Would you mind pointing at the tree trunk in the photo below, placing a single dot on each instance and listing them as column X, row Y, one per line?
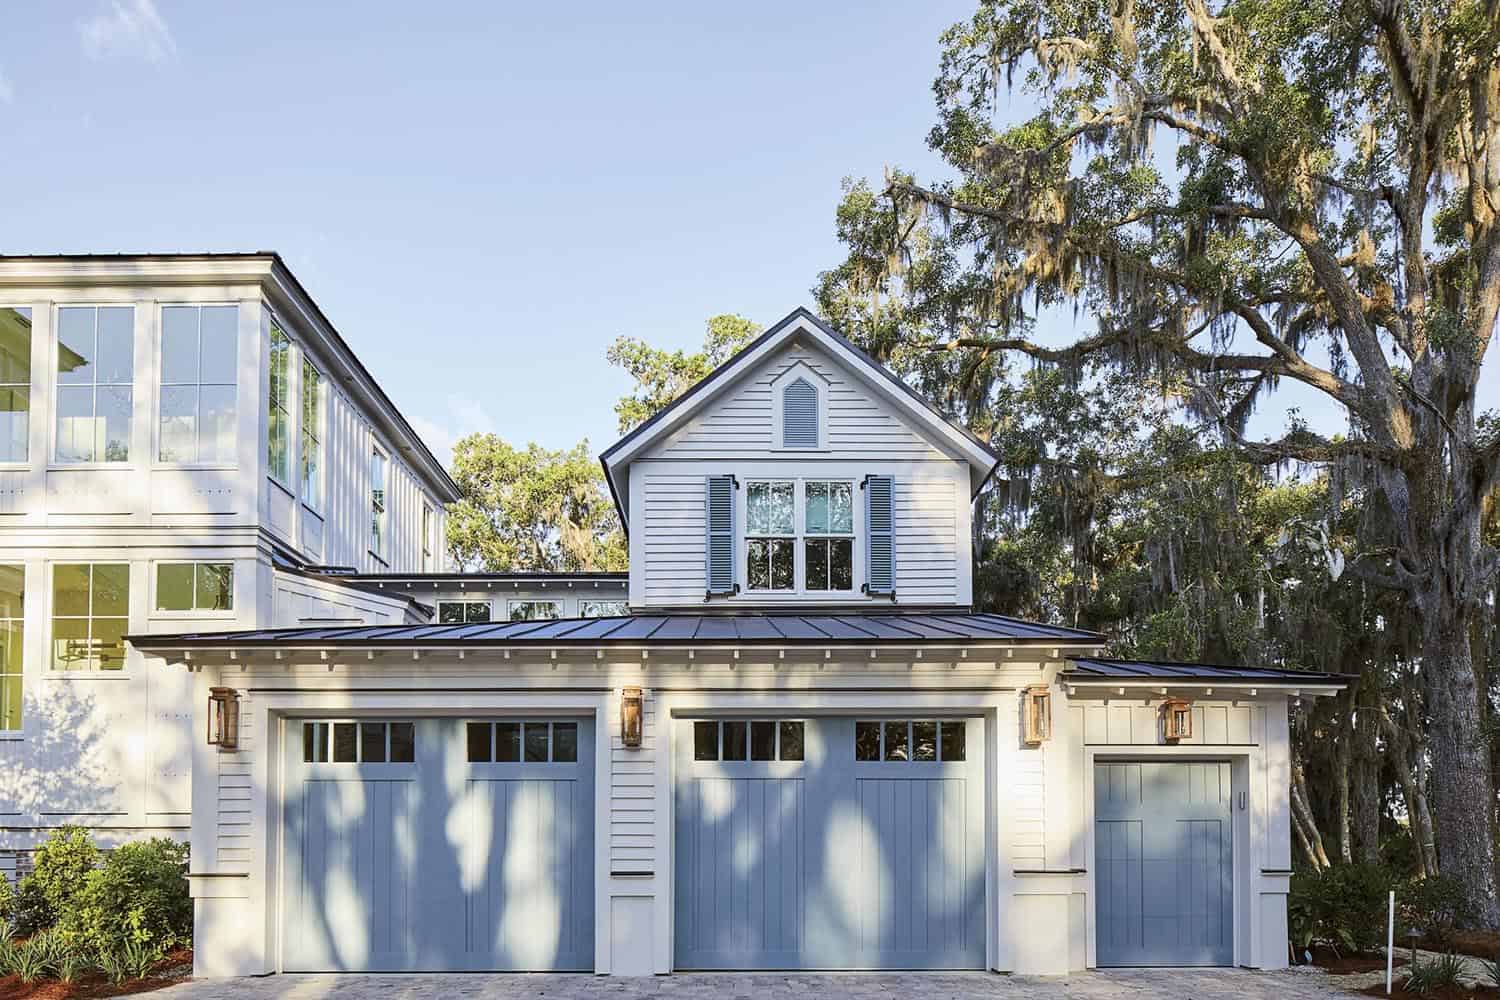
column 1344, row 736
column 1463, row 790
column 1364, row 776
column 1401, row 756
column 1307, row 824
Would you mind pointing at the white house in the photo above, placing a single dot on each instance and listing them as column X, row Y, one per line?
column 785, row 741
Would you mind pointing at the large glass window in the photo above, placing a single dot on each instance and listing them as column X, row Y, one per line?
column 195, row 586
column 12, row 644
column 279, row 408
column 90, row 612
column 531, row 611
column 359, row 742
column 312, row 436
column 602, row 609
column 463, row 612
column 199, row 353
column 15, row 384
column 921, row 740
column 828, row 524
column 770, row 529
column 377, row 503
column 95, row 382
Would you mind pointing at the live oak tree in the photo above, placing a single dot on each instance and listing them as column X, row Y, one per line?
column 531, row 509
column 661, row 376
column 1241, row 196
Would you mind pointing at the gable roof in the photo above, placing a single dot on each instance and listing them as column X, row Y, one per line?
column 616, row 459
column 1100, row 669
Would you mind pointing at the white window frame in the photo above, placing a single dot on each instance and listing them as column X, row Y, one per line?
column 162, row 385
column 319, row 398
column 195, row 613
column 86, row 673
column 467, row 603
column 380, row 511
column 55, row 353
column 31, row 312
column 429, row 551
column 772, row 537
column 511, row 604
column 19, row 620
column 289, row 406
column 799, row 537
column 804, row 535
column 804, row 371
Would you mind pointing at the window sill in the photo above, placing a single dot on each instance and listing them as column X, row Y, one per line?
column 378, row 558
column 195, row 616
column 194, row 467
column 283, row 487
column 312, row 510
column 124, row 466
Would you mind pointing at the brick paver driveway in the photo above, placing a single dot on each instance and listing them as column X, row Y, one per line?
column 1144, row 984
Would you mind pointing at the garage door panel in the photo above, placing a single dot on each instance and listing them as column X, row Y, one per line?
column 879, row 865
column 743, row 852
column 456, row 866
column 1164, row 862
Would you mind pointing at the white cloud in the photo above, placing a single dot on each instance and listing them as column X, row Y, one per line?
column 465, row 416
column 129, row 27
column 7, row 92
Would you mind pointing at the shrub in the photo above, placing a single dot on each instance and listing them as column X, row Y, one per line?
column 140, row 958
column 7, row 900
column 1439, row 973
column 1491, row 970
column 1343, row 907
column 8, row 949
column 60, row 868
column 1434, row 906
column 138, row 896
column 30, row 962
column 29, row 910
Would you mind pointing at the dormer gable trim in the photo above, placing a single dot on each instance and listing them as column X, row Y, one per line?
column 799, row 380
column 800, row 322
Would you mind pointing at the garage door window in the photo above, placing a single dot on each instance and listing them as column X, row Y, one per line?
column 515, row 742
column 359, row 743
column 902, row 740
column 753, row 740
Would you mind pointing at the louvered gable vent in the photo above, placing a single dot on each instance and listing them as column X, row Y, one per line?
column 799, row 415
column 880, row 532
column 719, row 571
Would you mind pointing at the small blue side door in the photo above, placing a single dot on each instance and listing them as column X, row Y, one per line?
column 1164, row 863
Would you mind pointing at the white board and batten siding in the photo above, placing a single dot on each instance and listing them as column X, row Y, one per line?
column 632, row 794
column 736, row 435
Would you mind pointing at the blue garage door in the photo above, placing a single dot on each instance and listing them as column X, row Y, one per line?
column 831, row 843
column 434, row 845
column 1163, row 858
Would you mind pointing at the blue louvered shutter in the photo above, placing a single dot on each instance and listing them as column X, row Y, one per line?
column 719, row 568
column 799, row 415
column 880, row 535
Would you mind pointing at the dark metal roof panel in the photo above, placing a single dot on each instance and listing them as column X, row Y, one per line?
column 1105, row 668
column 917, row 628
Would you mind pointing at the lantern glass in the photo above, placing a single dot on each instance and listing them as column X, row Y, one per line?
column 630, row 718
column 1177, row 717
column 1036, row 715
column 223, row 718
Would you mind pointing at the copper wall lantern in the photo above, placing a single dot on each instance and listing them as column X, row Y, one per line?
column 630, row 718
column 223, row 718
column 1036, row 715
column 1177, row 720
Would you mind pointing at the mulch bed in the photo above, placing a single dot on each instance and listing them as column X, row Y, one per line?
column 1447, row 993
column 1335, row 964
column 176, row 968
column 1480, row 944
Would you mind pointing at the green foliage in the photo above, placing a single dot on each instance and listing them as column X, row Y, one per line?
column 141, row 957
column 1443, row 972
column 661, row 376
column 114, row 966
column 138, row 896
column 1435, row 906
column 31, row 962
column 30, row 911
column 1491, row 973
column 1343, row 907
column 531, row 509
column 7, row 901
column 60, row 867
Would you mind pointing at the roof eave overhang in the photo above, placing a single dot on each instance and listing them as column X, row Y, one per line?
column 1127, row 687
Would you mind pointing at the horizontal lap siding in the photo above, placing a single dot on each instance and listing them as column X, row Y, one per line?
column 632, row 795
column 674, row 539
column 236, row 792
column 740, row 425
column 927, row 542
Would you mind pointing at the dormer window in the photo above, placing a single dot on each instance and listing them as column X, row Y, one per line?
column 800, row 402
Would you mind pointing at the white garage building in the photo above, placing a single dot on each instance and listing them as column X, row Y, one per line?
column 796, row 747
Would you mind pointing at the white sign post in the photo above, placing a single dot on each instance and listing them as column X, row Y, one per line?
column 1390, row 943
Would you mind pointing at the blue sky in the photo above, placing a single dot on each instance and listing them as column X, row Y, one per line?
column 481, row 195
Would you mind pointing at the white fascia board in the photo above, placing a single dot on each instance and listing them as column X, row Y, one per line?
column 126, row 271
